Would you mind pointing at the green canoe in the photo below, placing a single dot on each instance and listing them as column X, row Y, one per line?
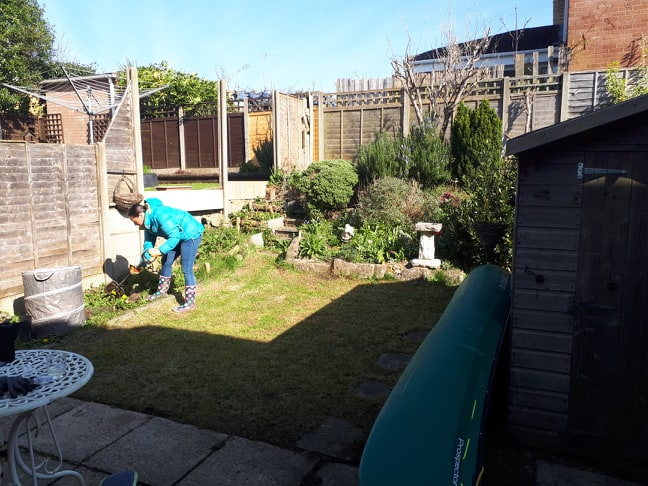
column 429, row 430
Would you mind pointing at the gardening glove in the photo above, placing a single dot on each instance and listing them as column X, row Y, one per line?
column 150, row 255
column 17, row 385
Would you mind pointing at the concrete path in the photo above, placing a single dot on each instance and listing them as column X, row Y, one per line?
column 98, row 440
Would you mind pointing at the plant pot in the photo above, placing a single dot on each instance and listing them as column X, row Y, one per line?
column 489, row 234
column 150, row 180
column 8, row 334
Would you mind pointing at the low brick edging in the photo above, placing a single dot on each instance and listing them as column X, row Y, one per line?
column 342, row 268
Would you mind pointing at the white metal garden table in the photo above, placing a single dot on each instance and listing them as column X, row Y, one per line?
column 32, row 364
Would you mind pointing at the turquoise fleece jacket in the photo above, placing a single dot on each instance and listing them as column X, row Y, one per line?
column 175, row 225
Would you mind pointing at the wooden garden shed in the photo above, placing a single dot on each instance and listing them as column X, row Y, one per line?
column 579, row 334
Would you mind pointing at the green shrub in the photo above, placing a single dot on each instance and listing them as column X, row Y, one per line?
column 475, row 139
column 428, row 157
column 380, row 158
column 379, row 243
column 317, row 240
column 218, row 240
column 488, row 198
column 248, row 167
column 264, row 153
column 327, row 185
column 422, row 155
column 395, row 202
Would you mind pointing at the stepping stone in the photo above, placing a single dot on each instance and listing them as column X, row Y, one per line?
column 417, row 336
column 373, row 389
column 394, row 361
column 335, row 437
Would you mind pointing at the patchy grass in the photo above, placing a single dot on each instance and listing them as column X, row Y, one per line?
column 268, row 354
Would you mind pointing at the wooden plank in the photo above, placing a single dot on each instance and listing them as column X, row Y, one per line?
column 541, row 341
column 548, row 217
column 543, row 320
column 549, row 195
column 535, row 437
column 540, row 360
column 542, row 279
column 539, row 259
column 561, row 169
column 539, row 380
column 551, row 421
column 539, row 400
column 553, row 239
column 543, row 300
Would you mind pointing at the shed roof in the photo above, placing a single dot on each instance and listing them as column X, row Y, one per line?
column 574, row 126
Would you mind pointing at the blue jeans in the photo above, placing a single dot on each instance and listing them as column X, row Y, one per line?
column 186, row 250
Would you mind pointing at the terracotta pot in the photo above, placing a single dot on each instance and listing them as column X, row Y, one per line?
column 8, row 334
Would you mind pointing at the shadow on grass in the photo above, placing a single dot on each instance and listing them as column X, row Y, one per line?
column 250, row 380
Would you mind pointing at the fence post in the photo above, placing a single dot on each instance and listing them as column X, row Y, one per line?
column 223, row 163
column 276, row 130
column 103, row 202
column 246, row 129
column 405, row 113
column 181, row 138
column 564, row 97
column 133, row 78
column 506, row 101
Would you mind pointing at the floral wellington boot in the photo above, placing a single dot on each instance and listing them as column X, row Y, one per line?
column 163, row 287
column 190, row 300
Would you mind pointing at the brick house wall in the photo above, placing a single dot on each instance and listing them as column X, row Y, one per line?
column 601, row 32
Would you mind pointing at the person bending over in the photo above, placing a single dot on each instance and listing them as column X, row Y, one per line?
column 183, row 234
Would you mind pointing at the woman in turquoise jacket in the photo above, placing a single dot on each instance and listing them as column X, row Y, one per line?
column 183, row 234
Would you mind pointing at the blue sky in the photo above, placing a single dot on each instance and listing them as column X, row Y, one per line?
column 285, row 45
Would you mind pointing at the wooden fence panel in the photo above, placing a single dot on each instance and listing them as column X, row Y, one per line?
column 50, row 215
column 236, row 139
column 201, row 142
column 161, row 143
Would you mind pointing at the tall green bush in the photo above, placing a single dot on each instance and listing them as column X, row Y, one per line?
column 428, row 156
column 380, row 158
column 475, row 139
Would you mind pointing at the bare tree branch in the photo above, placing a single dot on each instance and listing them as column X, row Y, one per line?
column 457, row 74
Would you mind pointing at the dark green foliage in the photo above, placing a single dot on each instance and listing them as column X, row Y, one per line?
column 381, row 158
column 459, row 138
column 218, row 240
column 476, row 139
column 26, row 51
column 379, row 243
column 182, row 89
column 264, row 153
column 422, row 155
column 328, row 185
column 428, row 156
column 488, row 198
column 317, row 240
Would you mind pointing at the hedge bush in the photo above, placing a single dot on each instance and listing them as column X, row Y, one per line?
column 327, row 185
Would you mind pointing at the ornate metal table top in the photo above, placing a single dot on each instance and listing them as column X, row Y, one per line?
column 32, row 363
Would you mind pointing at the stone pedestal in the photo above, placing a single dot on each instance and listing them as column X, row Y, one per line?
column 426, row 245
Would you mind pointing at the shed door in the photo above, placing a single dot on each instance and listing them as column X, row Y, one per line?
column 608, row 409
